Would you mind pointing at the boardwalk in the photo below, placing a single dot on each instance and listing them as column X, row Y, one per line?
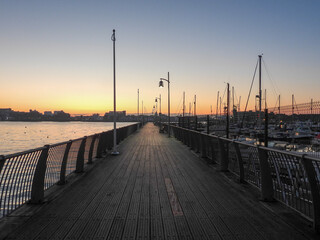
column 156, row 189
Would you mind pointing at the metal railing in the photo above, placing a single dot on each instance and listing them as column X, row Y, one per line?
column 291, row 178
column 26, row 175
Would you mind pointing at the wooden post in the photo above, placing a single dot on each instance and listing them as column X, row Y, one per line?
column 311, row 174
column 80, row 156
column 265, row 176
column 224, row 161
column 64, row 164
column 240, row 162
column 37, row 191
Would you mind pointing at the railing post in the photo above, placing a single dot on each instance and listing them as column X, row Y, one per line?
column 109, row 140
column 213, row 157
column 80, row 156
column 91, row 149
column 240, row 162
column 198, row 142
column 2, row 161
column 64, row 164
column 188, row 137
column 311, row 174
column 37, row 191
column 265, row 176
column 203, row 146
column 185, row 136
column 100, row 145
column 224, row 161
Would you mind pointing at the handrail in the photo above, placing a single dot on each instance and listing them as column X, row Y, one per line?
column 24, row 176
column 292, row 178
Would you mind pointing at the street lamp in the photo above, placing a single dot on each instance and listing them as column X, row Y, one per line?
column 161, row 85
column 156, row 100
column 114, row 152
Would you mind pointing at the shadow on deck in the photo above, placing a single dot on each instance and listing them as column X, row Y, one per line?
column 155, row 189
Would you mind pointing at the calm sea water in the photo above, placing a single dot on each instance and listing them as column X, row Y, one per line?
column 21, row 136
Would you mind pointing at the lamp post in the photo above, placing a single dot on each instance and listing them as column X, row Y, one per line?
column 114, row 152
column 161, row 85
column 159, row 98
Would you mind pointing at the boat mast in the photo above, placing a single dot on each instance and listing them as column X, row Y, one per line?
column 233, row 103
column 217, row 105
column 183, row 108
column 265, row 99
column 260, row 93
column 292, row 106
column 195, row 104
column 220, row 106
column 279, row 104
column 228, row 109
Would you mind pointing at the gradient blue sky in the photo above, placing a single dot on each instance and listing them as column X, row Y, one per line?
column 58, row 54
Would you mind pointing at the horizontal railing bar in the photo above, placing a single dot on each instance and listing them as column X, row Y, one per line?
column 54, row 144
column 23, row 152
column 293, row 154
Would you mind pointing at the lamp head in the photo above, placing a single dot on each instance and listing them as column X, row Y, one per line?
column 161, row 83
column 156, row 100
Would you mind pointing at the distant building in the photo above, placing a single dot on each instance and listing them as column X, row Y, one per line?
column 48, row 113
column 120, row 116
column 61, row 116
column 5, row 114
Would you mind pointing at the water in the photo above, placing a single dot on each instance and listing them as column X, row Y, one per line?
column 21, row 136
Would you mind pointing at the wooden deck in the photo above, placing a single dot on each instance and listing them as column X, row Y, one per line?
column 155, row 189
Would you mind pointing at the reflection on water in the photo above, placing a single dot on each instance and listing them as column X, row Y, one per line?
column 21, row 136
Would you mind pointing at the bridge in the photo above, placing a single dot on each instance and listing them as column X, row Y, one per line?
column 158, row 188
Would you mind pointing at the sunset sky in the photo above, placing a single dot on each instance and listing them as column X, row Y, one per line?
column 57, row 55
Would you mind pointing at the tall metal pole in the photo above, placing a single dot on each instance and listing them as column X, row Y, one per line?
column 138, row 103
column 279, row 111
column 169, row 105
column 220, row 106
column 265, row 99
column 183, row 107
column 260, row 93
column 195, row 105
column 114, row 152
column 142, row 113
column 217, row 105
column 160, row 110
column 160, row 104
column 228, row 109
column 292, row 106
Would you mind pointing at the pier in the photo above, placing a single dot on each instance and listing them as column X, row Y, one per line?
column 157, row 188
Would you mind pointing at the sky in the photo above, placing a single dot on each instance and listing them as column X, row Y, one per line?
column 57, row 55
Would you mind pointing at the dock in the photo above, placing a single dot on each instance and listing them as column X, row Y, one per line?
column 157, row 188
